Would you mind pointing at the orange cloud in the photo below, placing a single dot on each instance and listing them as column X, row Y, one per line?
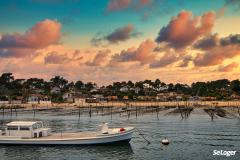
column 228, row 68
column 143, row 54
column 216, row 55
column 99, row 59
column 184, row 29
column 41, row 35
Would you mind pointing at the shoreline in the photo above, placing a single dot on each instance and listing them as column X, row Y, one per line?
column 120, row 104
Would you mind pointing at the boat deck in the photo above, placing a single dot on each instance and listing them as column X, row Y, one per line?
column 71, row 135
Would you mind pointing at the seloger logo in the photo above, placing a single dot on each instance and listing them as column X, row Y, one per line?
column 224, row 153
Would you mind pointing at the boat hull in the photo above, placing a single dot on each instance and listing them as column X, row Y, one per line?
column 124, row 137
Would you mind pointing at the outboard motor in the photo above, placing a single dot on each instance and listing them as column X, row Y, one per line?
column 104, row 128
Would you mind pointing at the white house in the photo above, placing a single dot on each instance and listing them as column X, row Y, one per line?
column 68, row 97
column 38, row 99
column 124, row 89
column 33, row 99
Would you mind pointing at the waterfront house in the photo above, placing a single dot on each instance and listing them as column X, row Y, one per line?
column 68, row 97
column 38, row 99
column 45, row 100
column 80, row 99
column 33, row 99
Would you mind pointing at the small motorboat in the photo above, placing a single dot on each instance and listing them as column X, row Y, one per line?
column 165, row 141
column 34, row 133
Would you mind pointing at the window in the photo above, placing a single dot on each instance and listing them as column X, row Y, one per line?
column 24, row 128
column 35, row 126
column 12, row 128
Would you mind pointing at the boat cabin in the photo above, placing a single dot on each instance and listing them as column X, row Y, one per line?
column 27, row 129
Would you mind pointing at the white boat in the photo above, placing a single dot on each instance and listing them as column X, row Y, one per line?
column 34, row 133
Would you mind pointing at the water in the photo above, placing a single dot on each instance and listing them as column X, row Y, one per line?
column 192, row 138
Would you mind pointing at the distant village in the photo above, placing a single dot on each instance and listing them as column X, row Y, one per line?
column 60, row 90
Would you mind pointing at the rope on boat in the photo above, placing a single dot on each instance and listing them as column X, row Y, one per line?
column 142, row 135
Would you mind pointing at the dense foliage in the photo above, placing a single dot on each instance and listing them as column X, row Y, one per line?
column 11, row 87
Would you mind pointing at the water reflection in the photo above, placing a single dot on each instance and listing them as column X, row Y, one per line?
column 74, row 152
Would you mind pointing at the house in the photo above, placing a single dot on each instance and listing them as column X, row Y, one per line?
column 33, row 99
column 80, row 99
column 125, row 97
column 94, row 90
column 235, row 97
column 169, row 96
column 208, row 98
column 136, row 89
column 162, row 88
column 55, row 90
column 38, row 99
column 146, row 98
column 17, row 100
column 45, row 100
column 68, row 97
column 112, row 98
column 124, row 89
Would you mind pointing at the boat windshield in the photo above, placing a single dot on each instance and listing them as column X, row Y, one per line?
column 37, row 125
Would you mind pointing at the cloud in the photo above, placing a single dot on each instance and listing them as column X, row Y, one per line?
column 216, row 50
column 185, row 61
column 216, row 55
column 230, row 40
column 167, row 59
column 143, row 54
column 118, row 35
column 55, row 58
column 207, row 43
column 99, row 59
column 41, row 35
column 116, row 5
column 228, row 68
column 234, row 3
column 184, row 29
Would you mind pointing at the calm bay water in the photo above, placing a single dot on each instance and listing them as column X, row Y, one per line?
column 192, row 138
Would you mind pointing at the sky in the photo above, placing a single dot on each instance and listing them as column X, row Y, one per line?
column 103, row 41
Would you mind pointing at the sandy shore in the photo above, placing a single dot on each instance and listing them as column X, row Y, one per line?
column 128, row 104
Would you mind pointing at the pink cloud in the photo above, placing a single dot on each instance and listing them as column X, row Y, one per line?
column 184, row 29
column 41, row 35
column 99, row 59
column 216, row 55
column 144, row 53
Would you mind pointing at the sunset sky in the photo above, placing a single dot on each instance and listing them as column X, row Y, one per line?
column 118, row 40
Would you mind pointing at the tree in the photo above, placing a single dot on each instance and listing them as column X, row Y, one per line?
column 235, row 86
column 79, row 85
column 59, row 82
column 157, row 83
column 6, row 78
